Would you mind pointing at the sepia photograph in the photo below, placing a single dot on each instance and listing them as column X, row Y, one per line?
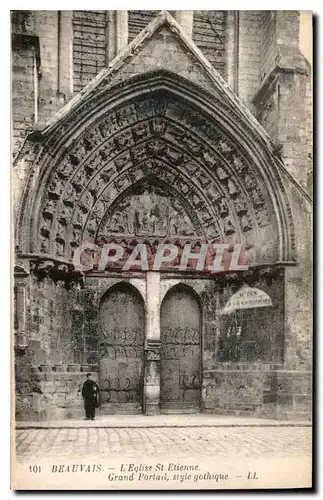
column 162, row 241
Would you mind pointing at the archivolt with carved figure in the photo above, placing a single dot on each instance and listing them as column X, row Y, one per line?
column 158, row 166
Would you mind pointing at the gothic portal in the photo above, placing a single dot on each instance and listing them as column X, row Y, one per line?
column 159, row 149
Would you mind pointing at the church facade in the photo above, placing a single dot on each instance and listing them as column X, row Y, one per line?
column 185, row 130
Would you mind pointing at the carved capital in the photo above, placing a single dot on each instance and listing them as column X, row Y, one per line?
column 21, row 269
column 152, row 344
column 57, row 271
column 153, row 350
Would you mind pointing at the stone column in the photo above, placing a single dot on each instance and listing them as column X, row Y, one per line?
column 65, row 53
column 109, row 35
column 233, row 49
column 116, row 33
column 121, row 30
column 152, row 345
column 185, row 19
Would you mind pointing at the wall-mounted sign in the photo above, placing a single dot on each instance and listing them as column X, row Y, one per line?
column 247, row 298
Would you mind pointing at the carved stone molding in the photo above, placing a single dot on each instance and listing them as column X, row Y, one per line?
column 250, row 277
column 57, row 271
column 21, row 269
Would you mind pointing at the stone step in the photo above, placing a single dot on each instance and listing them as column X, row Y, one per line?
column 179, row 408
column 299, row 415
column 179, row 411
column 120, row 408
column 238, row 405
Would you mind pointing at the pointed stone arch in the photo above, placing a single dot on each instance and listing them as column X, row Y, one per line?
column 156, row 124
column 117, row 285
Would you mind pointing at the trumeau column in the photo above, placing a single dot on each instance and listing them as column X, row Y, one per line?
column 153, row 313
column 152, row 345
column 116, row 33
column 185, row 19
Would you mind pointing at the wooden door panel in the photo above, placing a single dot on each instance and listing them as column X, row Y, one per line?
column 181, row 350
column 122, row 346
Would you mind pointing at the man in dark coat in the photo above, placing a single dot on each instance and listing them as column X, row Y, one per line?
column 90, row 394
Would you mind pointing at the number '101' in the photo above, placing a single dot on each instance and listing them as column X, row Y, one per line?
column 34, row 468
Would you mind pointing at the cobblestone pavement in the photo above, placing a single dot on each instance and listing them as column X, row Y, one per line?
column 249, row 442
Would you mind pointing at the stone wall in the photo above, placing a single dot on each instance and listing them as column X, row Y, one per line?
column 308, row 132
column 284, row 110
column 49, row 321
column 50, row 392
column 62, row 345
column 258, row 390
column 261, row 338
column 268, row 43
column 209, row 32
column 23, row 60
column 63, row 334
column 249, row 55
column 23, row 99
column 294, row 124
column 282, row 101
column 167, row 52
column 299, row 288
column 269, row 387
column 62, row 322
column 54, row 392
column 50, row 370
